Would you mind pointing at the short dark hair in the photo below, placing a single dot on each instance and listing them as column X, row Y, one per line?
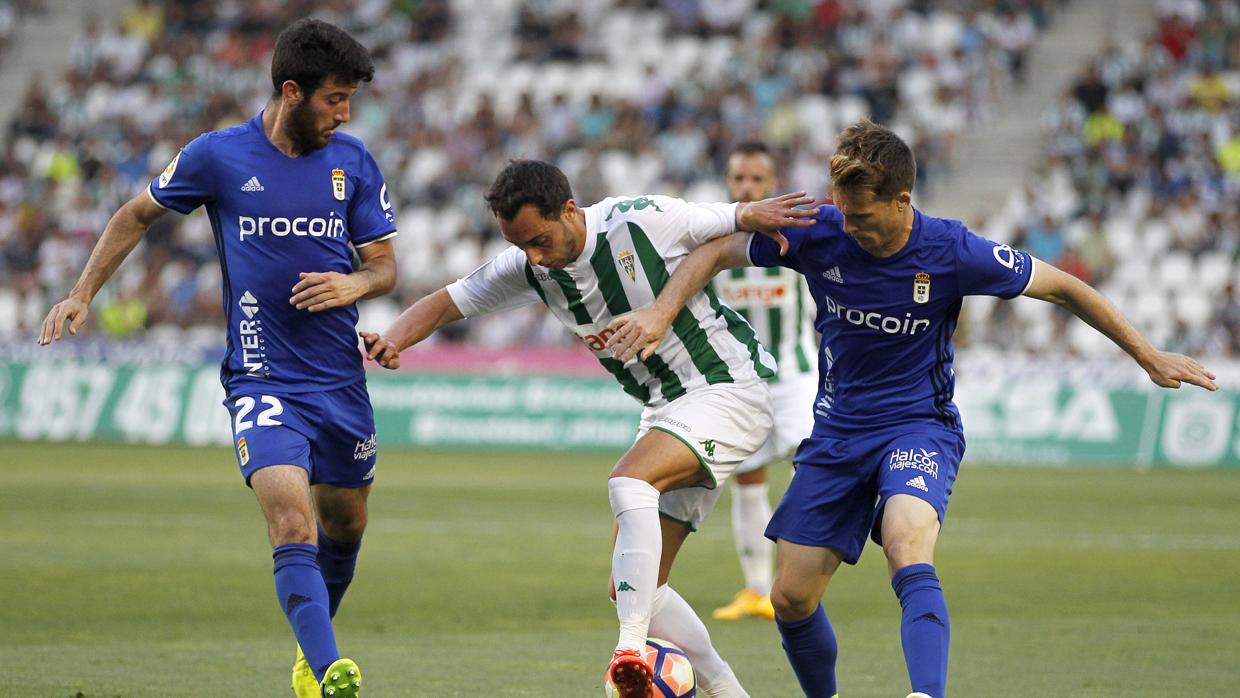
column 751, row 148
column 872, row 159
column 529, row 182
column 309, row 51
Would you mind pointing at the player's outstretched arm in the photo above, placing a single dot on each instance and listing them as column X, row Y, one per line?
column 121, row 235
column 770, row 216
column 417, row 323
column 642, row 330
column 318, row 291
column 1166, row 369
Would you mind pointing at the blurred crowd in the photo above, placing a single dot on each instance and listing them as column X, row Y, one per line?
column 628, row 96
column 1139, row 192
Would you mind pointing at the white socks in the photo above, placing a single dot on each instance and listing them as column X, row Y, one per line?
column 635, row 559
column 675, row 621
column 751, row 512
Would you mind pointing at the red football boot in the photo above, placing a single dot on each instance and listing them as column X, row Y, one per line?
column 631, row 675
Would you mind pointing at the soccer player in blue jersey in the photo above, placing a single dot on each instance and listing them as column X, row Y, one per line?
column 289, row 199
column 887, row 440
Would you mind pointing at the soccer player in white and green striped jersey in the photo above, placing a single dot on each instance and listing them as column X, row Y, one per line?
column 707, row 407
column 778, row 305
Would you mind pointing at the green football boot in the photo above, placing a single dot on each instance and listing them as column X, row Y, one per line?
column 342, row 679
column 304, row 683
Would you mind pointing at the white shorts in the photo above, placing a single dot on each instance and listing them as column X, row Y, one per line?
column 792, row 400
column 723, row 424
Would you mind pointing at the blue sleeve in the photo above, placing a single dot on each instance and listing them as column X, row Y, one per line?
column 987, row 268
column 370, row 210
column 187, row 182
column 764, row 252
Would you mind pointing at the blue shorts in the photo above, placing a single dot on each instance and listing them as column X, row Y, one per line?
column 837, row 494
column 331, row 434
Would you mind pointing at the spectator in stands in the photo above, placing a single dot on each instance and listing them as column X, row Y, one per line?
column 138, row 89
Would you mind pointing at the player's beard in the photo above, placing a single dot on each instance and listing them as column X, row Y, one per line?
column 302, row 129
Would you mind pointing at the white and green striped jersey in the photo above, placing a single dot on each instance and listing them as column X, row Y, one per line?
column 778, row 305
column 632, row 246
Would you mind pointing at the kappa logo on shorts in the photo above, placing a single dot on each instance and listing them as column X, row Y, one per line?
column 243, row 451
column 919, row 459
column 919, row 482
column 709, row 446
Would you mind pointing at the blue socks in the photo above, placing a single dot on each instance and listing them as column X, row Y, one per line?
column 925, row 630
column 337, row 561
column 303, row 598
column 811, row 649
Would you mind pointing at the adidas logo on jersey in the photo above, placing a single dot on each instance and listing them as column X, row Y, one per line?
column 833, row 274
column 252, row 185
column 919, row 482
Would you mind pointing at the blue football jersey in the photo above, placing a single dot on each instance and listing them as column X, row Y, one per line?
column 887, row 323
column 275, row 217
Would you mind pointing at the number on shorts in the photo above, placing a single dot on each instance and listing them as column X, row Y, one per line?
column 265, row 418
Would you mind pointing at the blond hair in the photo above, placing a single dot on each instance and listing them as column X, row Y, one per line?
column 872, row 159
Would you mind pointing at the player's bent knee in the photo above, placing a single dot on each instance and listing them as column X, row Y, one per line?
column 792, row 604
column 902, row 551
column 291, row 528
column 344, row 528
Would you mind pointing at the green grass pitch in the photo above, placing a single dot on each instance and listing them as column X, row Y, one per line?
column 145, row 571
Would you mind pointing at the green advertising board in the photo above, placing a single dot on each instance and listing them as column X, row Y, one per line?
column 1053, row 422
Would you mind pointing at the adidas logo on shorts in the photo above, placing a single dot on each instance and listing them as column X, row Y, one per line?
column 919, row 482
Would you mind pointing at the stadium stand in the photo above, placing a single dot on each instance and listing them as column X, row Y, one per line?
column 1139, row 192
column 627, row 96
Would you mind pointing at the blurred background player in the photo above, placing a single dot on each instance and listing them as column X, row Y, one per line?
column 778, row 306
column 887, row 439
column 706, row 407
column 289, row 201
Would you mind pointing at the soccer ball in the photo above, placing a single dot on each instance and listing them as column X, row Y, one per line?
column 673, row 675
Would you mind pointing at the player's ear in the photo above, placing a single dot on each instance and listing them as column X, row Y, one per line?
column 903, row 200
column 569, row 209
column 291, row 92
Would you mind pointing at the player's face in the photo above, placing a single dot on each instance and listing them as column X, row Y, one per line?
column 873, row 223
column 750, row 176
column 313, row 120
column 547, row 242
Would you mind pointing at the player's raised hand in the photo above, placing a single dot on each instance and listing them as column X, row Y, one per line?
column 1170, row 370
column 72, row 309
column 769, row 216
column 380, row 350
column 322, row 290
column 639, row 331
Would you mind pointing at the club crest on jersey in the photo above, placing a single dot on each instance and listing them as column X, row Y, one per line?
column 630, row 267
column 338, row 184
column 921, row 287
column 168, row 171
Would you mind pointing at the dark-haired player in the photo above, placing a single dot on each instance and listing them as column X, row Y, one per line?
column 706, row 405
column 289, row 199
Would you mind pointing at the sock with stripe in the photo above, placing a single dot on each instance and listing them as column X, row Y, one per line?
column 635, row 559
column 673, row 619
column 337, row 560
column 303, row 598
column 925, row 630
column 751, row 512
column 811, row 649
